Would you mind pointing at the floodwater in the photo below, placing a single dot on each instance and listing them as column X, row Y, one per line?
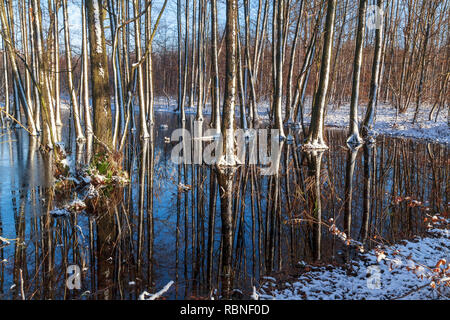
column 167, row 224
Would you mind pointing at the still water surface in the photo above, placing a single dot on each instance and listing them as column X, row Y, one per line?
column 155, row 231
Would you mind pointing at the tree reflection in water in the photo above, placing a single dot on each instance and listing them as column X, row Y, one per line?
column 173, row 222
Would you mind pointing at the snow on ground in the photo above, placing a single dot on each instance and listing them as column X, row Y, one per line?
column 370, row 279
column 386, row 122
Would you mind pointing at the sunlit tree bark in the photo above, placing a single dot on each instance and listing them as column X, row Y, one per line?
column 353, row 134
column 15, row 71
column 315, row 136
column 73, row 96
column 101, row 101
column 227, row 161
column 279, row 58
column 140, row 75
column 369, row 118
column 215, row 68
column 85, row 76
column 44, row 94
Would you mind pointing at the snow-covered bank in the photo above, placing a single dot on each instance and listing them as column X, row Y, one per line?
column 394, row 272
column 386, row 122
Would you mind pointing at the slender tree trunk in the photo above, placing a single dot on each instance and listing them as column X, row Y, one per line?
column 186, row 60
column 73, row 95
column 289, row 106
column 180, row 104
column 225, row 165
column 369, row 119
column 15, row 71
column 25, row 43
column 86, row 105
column 101, row 100
column 423, row 64
column 230, row 86
column 279, row 55
column 56, row 67
column 215, row 68
column 353, row 134
column 137, row 39
column 118, row 90
column 194, row 53
column 240, row 76
column 6, row 74
column 201, row 5
column 151, row 97
column 315, row 136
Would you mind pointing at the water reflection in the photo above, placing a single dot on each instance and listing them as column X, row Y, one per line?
column 211, row 231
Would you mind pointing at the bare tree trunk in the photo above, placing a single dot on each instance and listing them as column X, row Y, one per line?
column 5, row 66
column 430, row 18
column 242, row 103
column 49, row 131
column 289, row 106
column 73, row 95
column 315, row 136
column 15, row 71
column 150, row 70
column 180, row 103
column 86, row 105
column 186, row 60
column 225, row 165
column 215, row 121
column 12, row 41
column 101, row 100
column 194, row 53
column 35, row 75
column 353, row 134
column 279, row 55
column 369, row 119
column 201, row 10
column 228, row 156
column 56, row 66
column 118, row 90
column 137, row 39
column 28, row 86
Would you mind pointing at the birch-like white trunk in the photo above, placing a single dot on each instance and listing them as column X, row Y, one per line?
column 73, row 95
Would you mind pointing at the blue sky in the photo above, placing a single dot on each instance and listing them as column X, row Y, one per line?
column 168, row 21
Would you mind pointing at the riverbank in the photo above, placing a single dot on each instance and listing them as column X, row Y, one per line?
column 386, row 121
column 408, row 270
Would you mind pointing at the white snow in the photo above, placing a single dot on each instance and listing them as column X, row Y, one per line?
column 255, row 295
column 98, row 28
column 386, row 122
column 4, row 240
column 315, row 145
column 405, row 270
column 148, row 296
column 59, row 212
column 76, row 205
column 65, row 163
column 101, row 72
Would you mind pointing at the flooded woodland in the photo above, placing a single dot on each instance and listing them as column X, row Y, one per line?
column 320, row 135
column 167, row 224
